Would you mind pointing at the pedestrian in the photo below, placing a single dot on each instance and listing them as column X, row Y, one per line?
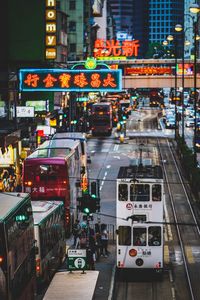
column 11, row 183
column 83, row 239
column 90, row 259
column 76, row 232
column 98, row 245
column 104, row 241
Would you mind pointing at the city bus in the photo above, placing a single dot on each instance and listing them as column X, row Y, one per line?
column 49, row 239
column 139, row 212
column 17, row 250
column 52, row 173
column 101, row 118
column 76, row 136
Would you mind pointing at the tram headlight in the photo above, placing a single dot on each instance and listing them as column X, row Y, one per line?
column 132, row 252
column 139, row 262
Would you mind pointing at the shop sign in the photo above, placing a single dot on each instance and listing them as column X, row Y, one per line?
column 70, row 80
column 148, row 71
column 25, row 112
column 50, row 34
column 117, row 48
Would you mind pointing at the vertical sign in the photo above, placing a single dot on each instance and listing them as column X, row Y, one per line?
column 50, row 34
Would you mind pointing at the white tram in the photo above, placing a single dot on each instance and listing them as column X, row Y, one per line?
column 140, row 196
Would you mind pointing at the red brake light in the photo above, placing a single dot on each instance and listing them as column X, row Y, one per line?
column 1, row 259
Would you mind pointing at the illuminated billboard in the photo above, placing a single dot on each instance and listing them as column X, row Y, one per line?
column 39, row 105
column 70, row 80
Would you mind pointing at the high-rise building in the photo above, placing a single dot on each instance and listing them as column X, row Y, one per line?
column 163, row 16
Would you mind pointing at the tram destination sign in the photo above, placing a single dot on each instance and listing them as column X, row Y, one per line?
column 76, row 259
column 70, row 80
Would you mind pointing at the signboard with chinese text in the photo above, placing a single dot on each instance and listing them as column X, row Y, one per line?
column 148, row 70
column 116, row 48
column 76, row 259
column 25, row 112
column 70, row 80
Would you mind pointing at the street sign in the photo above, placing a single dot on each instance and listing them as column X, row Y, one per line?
column 76, row 259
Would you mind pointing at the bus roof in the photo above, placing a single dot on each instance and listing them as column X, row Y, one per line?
column 55, row 148
column 9, row 202
column 70, row 135
column 140, row 172
column 42, row 209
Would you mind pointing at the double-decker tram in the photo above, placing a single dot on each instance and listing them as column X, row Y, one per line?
column 52, row 172
column 17, row 247
column 140, row 195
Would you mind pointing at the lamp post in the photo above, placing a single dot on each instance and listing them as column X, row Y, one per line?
column 171, row 38
column 194, row 8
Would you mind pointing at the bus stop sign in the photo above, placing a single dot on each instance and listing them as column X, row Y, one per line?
column 76, row 259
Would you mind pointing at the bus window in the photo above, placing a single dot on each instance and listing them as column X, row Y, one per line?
column 156, row 192
column 123, row 192
column 139, row 236
column 154, row 236
column 139, row 192
column 124, row 235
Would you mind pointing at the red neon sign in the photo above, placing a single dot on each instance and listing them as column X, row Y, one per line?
column 116, row 48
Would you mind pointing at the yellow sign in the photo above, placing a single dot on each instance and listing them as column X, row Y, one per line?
column 53, row 122
column 50, row 38
column 111, row 58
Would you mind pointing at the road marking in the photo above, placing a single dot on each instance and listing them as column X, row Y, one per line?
column 189, row 255
column 166, row 254
column 116, row 147
column 108, row 166
column 118, row 157
column 169, row 231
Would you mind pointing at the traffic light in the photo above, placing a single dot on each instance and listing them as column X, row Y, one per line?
column 93, row 189
column 88, row 204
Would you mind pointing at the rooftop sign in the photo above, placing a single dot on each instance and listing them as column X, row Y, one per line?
column 70, row 80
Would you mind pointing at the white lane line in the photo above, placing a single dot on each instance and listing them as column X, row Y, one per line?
column 108, row 166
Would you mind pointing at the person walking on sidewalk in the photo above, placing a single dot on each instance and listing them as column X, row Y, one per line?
column 104, row 241
column 76, row 232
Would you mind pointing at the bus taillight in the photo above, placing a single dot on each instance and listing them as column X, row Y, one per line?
column 28, row 183
column 37, row 267
column 1, row 260
column 132, row 252
column 67, row 216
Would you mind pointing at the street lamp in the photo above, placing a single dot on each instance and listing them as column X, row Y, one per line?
column 171, row 38
column 194, row 8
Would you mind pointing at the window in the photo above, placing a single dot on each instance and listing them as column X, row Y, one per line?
column 72, row 26
column 139, row 237
column 124, row 235
column 72, row 47
column 72, row 5
column 123, row 192
column 139, row 192
column 154, row 236
column 156, row 192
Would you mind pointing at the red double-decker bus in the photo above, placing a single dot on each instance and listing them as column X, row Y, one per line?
column 52, row 173
column 101, row 119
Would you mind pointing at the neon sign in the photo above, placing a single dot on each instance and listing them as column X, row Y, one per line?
column 70, row 80
column 116, row 48
column 148, row 71
column 50, row 37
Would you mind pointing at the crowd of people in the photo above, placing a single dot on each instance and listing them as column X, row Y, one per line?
column 8, row 182
column 95, row 241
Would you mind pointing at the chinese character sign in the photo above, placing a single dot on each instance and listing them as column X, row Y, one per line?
column 70, row 80
column 116, row 48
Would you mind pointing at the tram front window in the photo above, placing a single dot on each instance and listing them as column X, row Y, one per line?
column 124, row 235
column 123, row 192
column 139, row 236
column 156, row 192
column 154, row 236
column 139, row 192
